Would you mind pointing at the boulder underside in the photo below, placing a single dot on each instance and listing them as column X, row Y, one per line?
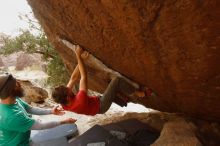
column 170, row 46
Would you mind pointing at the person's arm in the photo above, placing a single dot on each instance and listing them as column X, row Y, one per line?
column 74, row 77
column 38, row 125
column 82, row 70
column 40, row 111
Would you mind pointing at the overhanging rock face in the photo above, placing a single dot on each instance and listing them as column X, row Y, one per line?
column 171, row 46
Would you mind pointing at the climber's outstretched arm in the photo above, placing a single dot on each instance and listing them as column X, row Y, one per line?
column 74, row 77
column 82, row 70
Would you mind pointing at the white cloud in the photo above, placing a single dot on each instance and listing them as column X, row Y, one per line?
column 9, row 11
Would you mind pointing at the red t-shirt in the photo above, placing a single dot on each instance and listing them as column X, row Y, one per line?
column 81, row 103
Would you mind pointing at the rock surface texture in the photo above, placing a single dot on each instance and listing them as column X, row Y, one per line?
column 178, row 133
column 33, row 93
column 172, row 46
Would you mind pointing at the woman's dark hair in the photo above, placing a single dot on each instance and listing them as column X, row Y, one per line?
column 60, row 94
column 7, row 85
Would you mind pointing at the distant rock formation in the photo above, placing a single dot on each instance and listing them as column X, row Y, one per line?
column 22, row 60
column 1, row 62
column 171, row 46
column 10, row 60
column 26, row 60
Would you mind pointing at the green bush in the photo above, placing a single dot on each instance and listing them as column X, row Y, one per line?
column 38, row 43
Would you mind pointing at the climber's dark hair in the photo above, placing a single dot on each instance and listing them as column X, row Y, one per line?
column 60, row 94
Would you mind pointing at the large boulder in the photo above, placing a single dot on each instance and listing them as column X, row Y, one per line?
column 179, row 133
column 22, row 60
column 32, row 92
column 171, row 46
column 26, row 60
column 10, row 60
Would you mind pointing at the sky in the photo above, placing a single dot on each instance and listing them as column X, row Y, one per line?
column 9, row 20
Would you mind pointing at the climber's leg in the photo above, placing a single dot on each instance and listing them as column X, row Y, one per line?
column 116, row 85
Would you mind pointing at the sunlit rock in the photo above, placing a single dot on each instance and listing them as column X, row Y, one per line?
column 32, row 92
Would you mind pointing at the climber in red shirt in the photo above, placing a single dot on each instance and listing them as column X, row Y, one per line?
column 81, row 103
